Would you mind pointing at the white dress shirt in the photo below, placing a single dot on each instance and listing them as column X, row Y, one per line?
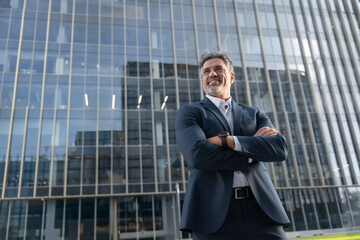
column 239, row 178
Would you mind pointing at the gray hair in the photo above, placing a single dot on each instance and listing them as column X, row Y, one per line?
column 217, row 54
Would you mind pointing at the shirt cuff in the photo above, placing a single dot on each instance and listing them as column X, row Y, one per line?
column 238, row 147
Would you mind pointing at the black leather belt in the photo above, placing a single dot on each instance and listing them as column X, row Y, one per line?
column 242, row 193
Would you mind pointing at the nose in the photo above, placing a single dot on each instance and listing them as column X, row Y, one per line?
column 212, row 73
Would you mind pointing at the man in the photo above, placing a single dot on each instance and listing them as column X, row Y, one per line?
column 229, row 194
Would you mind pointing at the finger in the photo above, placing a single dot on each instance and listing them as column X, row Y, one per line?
column 270, row 133
column 261, row 131
column 266, row 131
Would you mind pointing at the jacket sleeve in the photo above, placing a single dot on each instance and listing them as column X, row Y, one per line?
column 265, row 149
column 197, row 151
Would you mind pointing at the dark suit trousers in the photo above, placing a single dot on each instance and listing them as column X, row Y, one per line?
column 245, row 221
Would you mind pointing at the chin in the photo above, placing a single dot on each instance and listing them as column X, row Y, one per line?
column 213, row 93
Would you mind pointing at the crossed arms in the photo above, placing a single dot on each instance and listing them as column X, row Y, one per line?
column 204, row 153
column 262, row 132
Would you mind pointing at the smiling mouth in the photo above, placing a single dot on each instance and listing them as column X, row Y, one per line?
column 214, row 82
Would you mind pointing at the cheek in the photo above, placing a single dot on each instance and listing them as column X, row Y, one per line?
column 204, row 84
column 203, row 80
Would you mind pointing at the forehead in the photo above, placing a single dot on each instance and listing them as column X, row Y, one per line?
column 214, row 62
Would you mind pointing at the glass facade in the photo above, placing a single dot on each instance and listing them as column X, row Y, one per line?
column 89, row 91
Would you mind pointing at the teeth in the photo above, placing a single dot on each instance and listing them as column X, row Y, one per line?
column 213, row 82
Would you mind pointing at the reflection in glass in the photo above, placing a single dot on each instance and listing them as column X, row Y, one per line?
column 71, row 218
column 47, row 128
column 118, row 174
column 58, row 171
column 4, row 126
column 2, row 164
column 4, row 211
column 18, row 128
column 298, row 211
column 28, row 176
column 134, row 165
column 133, row 128
column 34, row 219
column 144, row 215
column 17, row 219
column 333, row 206
column 74, row 170
column 13, row 176
column 87, row 219
column 32, row 130
column 103, row 218
column 104, row 169
column 148, row 174
column 43, row 171
column 321, row 207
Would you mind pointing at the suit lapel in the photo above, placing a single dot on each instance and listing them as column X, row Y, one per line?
column 237, row 115
column 211, row 107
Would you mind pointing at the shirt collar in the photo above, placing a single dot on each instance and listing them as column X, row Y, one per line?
column 217, row 101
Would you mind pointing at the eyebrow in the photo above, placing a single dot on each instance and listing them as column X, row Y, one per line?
column 217, row 66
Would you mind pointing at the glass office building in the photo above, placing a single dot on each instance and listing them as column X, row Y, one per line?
column 89, row 91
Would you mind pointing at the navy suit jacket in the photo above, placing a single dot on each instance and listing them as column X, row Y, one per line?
column 212, row 167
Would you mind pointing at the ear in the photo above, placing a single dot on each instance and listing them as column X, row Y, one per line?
column 232, row 78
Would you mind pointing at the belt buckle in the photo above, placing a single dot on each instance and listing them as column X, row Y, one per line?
column 240, row 197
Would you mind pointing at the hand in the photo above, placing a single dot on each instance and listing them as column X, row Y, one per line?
column 266, row 131
column 217, row 141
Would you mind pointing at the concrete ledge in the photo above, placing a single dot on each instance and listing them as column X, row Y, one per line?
column 321, row 232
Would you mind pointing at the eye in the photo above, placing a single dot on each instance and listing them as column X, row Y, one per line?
column 219, row 69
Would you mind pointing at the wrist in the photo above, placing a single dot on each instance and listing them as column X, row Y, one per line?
column 230, row 142
column 223, row 137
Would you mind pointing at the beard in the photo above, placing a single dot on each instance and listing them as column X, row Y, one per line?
column 216, row 89
column 213, row 90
